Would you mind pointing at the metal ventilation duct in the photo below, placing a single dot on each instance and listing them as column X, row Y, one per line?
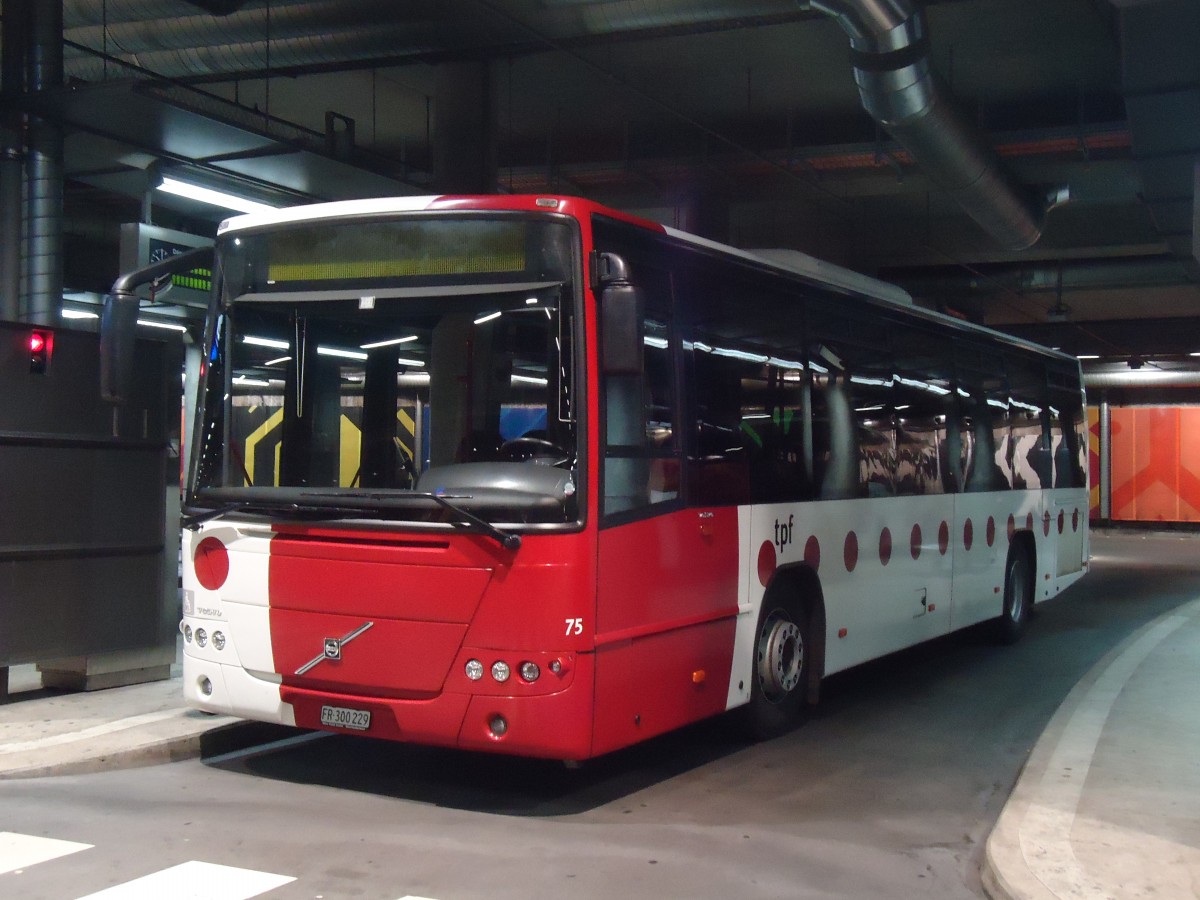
column 890, row 54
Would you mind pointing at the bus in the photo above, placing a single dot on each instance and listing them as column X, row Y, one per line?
column 528, row 475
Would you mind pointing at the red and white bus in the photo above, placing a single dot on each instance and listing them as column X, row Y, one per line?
column 529, row 475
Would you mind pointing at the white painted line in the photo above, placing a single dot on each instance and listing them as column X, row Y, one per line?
column 19, row 851
column 195, row 881
column 1045, row 830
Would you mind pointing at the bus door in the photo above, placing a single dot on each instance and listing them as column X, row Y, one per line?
column 667, row 575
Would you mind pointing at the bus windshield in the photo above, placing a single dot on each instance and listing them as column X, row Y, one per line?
column 374, row 365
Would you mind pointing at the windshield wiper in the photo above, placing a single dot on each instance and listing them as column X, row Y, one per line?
column 193, row 521
column 508, row 540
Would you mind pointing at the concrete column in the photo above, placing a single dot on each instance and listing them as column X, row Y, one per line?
column 706, row 212
column 43, row 267
column 464, row 130
column 11, row 150
column 1105, row 460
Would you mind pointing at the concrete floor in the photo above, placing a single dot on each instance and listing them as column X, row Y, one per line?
column 890, row 790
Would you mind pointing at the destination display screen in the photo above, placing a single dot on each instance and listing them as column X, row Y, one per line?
column 364, row 254
column 395, row 249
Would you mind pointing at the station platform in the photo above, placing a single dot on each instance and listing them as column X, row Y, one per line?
column 1105, row 807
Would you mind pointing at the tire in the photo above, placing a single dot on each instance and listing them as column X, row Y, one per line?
column 1018, row 596
column 783, row 655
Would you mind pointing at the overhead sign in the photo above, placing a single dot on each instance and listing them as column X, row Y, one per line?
column 142, row 245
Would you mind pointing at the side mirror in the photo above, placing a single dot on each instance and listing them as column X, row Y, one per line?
column 118, row 337
column 118, row 322
column 622, row 329
column 622, row 318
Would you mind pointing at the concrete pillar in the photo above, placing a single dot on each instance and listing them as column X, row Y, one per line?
column 1105, row 460
column 464, row 130
column 706, row 212
column 11, row 124
column 43, row 266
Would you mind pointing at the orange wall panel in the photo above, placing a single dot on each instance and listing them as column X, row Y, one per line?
column 1156, row 464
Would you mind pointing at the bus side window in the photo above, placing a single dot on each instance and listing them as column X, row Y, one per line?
column 835, row 435
column 752, row 438
column 854, row 434
column 982, row 389
column 1067, row 426
column 719, row 470
column 923, row 398
column 1030, row 432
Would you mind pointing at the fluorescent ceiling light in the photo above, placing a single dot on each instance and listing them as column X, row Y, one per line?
column 275, row 362
column 388, row 343
column 344, row 354
column 405, row 361
column 169, row 326
column 212, row 197
column 265, row 342
column 531, row 379
column 487, row 318
column 242, row 380
column 1088, row 356
column 78, row 314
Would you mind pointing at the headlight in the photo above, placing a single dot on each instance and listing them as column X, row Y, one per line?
column 530, row 671
column 201, row 637
column 474, row 669
column 500, row 671
column 219, row 640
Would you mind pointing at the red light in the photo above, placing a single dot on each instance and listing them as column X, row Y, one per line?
column 41, row 345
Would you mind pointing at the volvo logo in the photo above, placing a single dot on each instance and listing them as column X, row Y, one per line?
column 333, row 648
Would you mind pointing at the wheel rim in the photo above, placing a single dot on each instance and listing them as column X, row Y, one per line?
column 780, row 657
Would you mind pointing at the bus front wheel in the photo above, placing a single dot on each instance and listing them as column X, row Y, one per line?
column 783, row 651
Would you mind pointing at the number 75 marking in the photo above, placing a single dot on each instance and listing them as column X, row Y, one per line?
column 574, row 626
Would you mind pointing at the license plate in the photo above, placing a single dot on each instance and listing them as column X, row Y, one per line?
column 341, row 717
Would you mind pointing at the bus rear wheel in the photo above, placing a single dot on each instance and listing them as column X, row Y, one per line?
column 781, row 666
column 1018, row 596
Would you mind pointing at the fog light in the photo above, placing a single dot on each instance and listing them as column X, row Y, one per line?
column 187, row 633
column 556, row 666
column 474, row 669
column 498, row 725
column 219, row 640
column 205, row 687
column 500, row 670
column 201, row 636
column 530, row 671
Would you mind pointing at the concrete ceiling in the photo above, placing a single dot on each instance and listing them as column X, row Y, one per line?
column 738, row 118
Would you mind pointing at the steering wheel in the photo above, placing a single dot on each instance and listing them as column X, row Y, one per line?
column 527, row 446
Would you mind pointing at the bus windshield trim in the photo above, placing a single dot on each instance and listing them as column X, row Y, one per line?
column 460, row 289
